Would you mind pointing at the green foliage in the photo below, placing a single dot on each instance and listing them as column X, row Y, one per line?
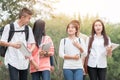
column 113, row 64
column 56, row 28
column 9, row 9
column 86, row 24
column 3, row 71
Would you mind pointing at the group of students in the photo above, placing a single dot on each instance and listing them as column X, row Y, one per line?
column 14, row 59
column 76, row 47
column 73, row 49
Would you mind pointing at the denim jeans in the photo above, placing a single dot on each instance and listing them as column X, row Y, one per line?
column 45, row 75
column 16, row 74
column 73, row 74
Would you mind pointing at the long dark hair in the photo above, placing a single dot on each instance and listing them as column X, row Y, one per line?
column 39, row 31
column 93, row 33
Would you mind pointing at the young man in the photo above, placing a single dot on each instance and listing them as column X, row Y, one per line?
column 14, row 59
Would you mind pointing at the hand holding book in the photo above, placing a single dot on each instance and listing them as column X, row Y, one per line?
column 24, row 50
column 114, row 46
column 46, row 47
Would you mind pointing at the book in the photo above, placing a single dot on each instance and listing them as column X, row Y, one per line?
column 46, row 46
column 24, row 50
column 114, row 46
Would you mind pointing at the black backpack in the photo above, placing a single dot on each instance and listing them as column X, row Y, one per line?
column 11, row 33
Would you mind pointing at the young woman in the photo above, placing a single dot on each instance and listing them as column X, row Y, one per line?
column 40, row 60
column 71, row 49
column 84, row 37
column 99, row 47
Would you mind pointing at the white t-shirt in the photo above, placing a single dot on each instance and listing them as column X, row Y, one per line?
column 13, row 56
column 70, row 49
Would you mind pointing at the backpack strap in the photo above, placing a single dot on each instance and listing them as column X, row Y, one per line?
column 1, row 30
column 10, row 35
column 64, row 41
column 26, row 32
column 11, row 32
column 64, row 44
column 79, row 40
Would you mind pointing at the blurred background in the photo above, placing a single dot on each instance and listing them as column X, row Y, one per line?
column 57, row 14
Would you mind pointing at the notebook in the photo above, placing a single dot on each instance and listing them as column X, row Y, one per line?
column 114, row 46
column 46, row 46
column 24, row 50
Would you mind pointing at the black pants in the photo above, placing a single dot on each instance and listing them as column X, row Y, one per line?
column 97, row 73
column 84, row 77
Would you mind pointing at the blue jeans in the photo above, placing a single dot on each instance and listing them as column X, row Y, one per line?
column 16, row 74
column 73, row 74
column 45, row 75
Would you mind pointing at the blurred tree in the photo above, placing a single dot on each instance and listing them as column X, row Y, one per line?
column 56, row 28
column 10, row 8
column 86, row 24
